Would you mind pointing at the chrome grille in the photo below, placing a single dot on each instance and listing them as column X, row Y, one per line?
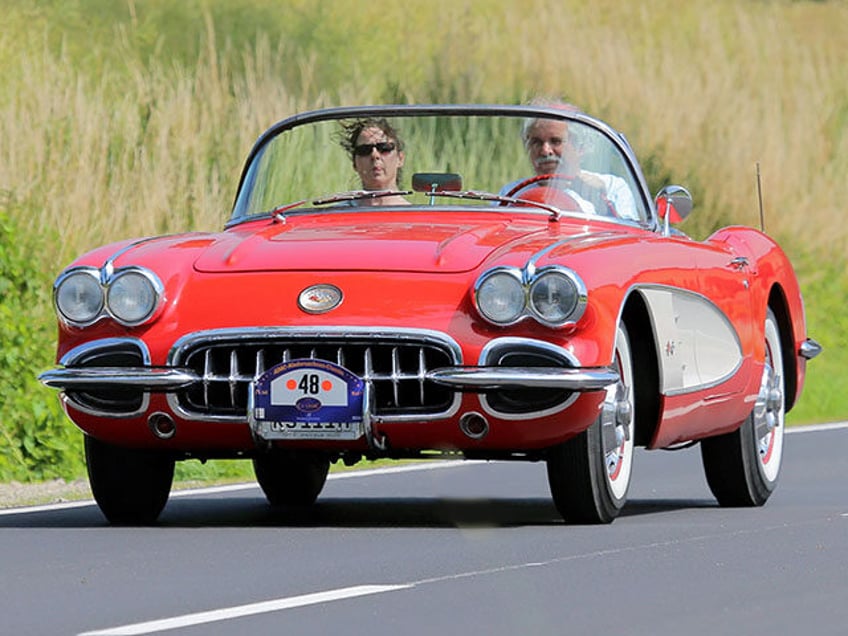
column 394, row 364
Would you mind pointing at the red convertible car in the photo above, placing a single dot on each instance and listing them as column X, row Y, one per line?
column 481, row 282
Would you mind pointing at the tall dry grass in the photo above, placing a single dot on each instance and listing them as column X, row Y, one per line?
column 707, row 89
column 162, row 156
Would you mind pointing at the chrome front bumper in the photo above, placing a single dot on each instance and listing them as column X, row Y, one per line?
column 489, row 378
column 145, row 378
column 471, row 379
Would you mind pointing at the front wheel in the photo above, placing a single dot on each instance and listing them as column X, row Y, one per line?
column 589, row 475
column 291, row 478
column 130, row 486
column 742, row 466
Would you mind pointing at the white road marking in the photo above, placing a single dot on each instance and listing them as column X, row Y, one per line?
column 239, row 611
column 434, row 465
column 213, row 490
column 67, row 505
column 815, row 428
column 807, row 428
column 188, row 620
column 199, row 618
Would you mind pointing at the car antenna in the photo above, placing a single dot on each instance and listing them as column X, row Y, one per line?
column 760, row 198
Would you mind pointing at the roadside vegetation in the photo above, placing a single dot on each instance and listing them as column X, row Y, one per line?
column 132, row 118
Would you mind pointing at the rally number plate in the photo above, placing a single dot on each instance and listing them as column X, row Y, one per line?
column 308, row 399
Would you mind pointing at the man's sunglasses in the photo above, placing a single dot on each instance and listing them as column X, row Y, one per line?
column 383, row 147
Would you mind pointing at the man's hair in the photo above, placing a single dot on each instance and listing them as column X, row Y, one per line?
column 548, row 102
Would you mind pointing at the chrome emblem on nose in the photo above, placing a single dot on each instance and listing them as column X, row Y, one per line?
column 319, row 299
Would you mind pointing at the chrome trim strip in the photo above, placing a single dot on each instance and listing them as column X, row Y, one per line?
column 240, row 334
column 530, row 267
column 527, row 344
column 72, row 357
column 147, row 378
column 117, row 415
column 589, row 379
column 108, row 267
column 809, row 349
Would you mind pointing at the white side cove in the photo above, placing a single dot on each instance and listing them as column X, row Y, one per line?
column 697, row 346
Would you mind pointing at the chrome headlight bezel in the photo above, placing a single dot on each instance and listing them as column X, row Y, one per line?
column 522, row 284
column 572, row 309
column 147, row 287
column 102, row 285
column 89, row 277
column 513, row 293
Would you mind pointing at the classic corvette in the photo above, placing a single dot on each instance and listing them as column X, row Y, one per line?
column 524, row 298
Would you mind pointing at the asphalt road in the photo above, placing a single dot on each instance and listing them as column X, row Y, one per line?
column 461, row 548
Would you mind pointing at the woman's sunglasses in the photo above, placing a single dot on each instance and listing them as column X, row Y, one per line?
column 383, row 147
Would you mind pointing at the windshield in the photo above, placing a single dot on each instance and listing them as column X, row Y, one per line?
column 394, row 157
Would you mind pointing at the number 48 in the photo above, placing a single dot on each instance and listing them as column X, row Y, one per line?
column 310, row 384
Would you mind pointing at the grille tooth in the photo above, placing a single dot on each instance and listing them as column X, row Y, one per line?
column 395, row 370
column 233, row 378
column 368, row 375
column 207, row 374
column 260, row 364
column 422, row 370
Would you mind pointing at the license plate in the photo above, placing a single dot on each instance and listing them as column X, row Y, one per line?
column 308, row 399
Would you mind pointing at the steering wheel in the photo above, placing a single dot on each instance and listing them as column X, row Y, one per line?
column 559, row 197
column 518, row 187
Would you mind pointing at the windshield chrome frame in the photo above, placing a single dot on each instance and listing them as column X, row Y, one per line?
column 429, row 110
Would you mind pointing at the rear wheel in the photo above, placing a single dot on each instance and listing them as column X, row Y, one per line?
column 742, row 467
column 589, row 475
column 291, row 478
column 131, row 486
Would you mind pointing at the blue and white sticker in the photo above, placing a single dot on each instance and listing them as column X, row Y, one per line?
column 308, row 399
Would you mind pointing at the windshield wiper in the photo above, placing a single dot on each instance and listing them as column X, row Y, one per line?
column 354, row 195
column 278, row 213
column 556, row 213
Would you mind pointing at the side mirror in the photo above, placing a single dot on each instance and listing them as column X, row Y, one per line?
column 674, row 203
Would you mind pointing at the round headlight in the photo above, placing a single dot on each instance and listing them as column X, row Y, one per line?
column 132, row 297
column 79, row 297
column 500, row 297
column 557, row 297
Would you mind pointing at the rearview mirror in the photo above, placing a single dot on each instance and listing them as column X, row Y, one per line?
column 436, row 181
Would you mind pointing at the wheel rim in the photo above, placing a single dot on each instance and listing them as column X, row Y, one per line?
column 769, row 409
column 617, row 422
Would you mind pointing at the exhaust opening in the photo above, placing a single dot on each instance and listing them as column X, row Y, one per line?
column 474, row 425
column 162, row 425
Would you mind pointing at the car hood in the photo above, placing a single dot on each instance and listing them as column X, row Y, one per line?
column 377, row 243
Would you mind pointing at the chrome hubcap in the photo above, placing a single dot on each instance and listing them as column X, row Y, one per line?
column 768, row 407
column 616, row 415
